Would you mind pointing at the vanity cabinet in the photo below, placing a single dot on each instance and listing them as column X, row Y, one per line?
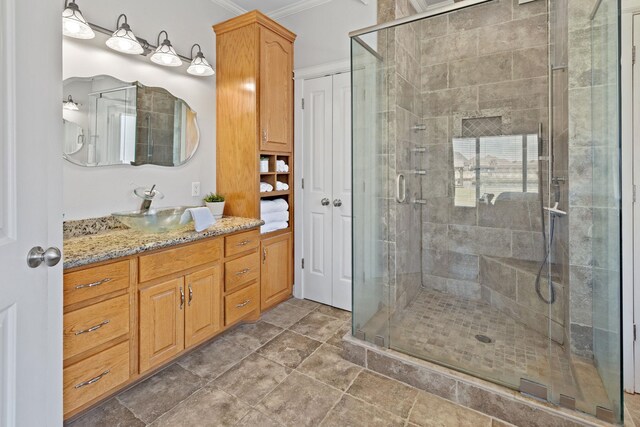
column 161, row 323
column 254, row 99
column 276, row 92
column 203, row 310
column 126, row 318
column 97, row 323
column 277, row 270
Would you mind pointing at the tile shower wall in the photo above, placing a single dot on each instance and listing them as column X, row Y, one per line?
column 154, row 126
column 484, row 62
column 400, row 50
column 580, row 173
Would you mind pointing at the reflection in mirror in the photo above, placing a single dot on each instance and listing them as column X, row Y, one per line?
column 120, row 123
column 73, row 137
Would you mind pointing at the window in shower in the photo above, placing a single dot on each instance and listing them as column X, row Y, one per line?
column 489, row 168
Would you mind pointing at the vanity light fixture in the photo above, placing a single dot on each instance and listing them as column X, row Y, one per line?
column 73, row 23
column 69, row 104
column 123, row 40
column 165, row 54
column 199, row 66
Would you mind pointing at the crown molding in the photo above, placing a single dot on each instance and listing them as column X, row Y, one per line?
column 292, row 9
column 230, row 6
column 296, row 8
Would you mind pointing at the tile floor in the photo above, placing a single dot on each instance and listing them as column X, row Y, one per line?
column 442, row 328
column 289, row 369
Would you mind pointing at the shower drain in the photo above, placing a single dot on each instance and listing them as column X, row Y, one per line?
column 483, row 338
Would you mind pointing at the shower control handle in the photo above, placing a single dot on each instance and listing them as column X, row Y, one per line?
column 401, row 188
column 325, row 202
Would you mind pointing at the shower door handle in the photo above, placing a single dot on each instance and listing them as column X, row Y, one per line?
column 401, row 188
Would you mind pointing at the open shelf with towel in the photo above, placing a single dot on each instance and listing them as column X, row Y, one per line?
column 275, row 170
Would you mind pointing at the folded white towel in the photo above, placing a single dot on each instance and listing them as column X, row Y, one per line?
column 276, row 205
column 281, row 186
column 281, row 166
column 202, row 217
column 265, row 187
column 267, row 228
column 275, row 217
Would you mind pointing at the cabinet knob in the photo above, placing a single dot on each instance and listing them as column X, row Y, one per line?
column 337, row 203
column 325, row 202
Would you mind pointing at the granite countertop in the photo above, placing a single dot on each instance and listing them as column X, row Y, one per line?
column 111, row 244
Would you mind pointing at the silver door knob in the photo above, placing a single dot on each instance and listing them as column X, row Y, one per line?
column 325, row 202
column 337, row 203
column 37, row 256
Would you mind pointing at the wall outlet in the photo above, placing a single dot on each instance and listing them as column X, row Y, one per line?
column 195, row 189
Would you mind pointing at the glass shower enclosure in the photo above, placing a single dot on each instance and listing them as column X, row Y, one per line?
column 486, row 196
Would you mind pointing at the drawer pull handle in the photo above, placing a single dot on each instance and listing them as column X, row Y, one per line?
column 93, row 328
column 244, row 304
column 94, row 284
column 243, row 271
column 93, row 380
column 181, row 298
column 244, row 243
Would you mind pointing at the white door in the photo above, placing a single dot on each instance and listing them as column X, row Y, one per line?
column 327, row 190
column 30, row 212
column 317, row 209
column 341, row 161
column 636, row 211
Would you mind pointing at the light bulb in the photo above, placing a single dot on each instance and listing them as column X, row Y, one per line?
column 71, row 26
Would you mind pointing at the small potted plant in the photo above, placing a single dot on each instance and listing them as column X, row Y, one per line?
column 215, row 203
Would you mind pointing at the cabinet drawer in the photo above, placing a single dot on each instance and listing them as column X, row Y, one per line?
column 94, row 376
column 179, row 259
column 95, row 281
column 240, row 303
column 242, row 242
column 91, row 326
column 241, row 271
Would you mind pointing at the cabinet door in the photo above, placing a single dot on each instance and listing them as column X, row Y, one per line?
column 203, row 315
column 276, row 92
column 277, row 270
column 161, row 323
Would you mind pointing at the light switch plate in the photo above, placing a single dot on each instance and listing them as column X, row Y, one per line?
column 195, row 189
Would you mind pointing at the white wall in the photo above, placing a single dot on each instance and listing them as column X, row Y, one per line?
column 92, row 192
column 323, row 31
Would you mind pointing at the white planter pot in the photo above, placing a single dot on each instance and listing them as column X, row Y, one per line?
column 216, row 208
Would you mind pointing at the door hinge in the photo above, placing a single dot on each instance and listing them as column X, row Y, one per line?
column 633, row 55
column 303, row 263
column 303, row 103
column 634, row 332
column 635, row 188
column 303, row 183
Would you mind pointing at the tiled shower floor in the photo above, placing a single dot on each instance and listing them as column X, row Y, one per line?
column 442, row 328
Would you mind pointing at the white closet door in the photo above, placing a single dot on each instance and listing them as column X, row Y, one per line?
column 317, row 189
column 341, row 202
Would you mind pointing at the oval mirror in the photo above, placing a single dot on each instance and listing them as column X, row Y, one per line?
column 111, row 122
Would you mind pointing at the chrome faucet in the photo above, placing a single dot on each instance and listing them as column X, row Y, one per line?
column 147, row 196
